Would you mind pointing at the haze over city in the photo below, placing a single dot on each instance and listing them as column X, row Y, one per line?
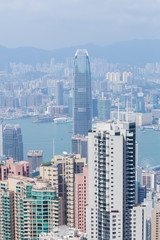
column 49, row 24
column 79, row 120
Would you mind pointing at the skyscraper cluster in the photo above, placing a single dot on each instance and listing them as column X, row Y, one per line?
column 93, row 189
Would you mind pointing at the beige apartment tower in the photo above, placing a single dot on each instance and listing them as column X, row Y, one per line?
column 155, row 233
column 61, row 174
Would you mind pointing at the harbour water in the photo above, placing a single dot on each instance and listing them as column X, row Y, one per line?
column 50, row 137
column 56, row 138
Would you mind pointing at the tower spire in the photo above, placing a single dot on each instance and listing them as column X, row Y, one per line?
column 118, row 109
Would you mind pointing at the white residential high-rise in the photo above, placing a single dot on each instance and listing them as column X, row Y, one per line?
column 113, row 76
column 138, row 222
column 111, row 163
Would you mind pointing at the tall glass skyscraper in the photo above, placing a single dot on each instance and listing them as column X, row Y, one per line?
column 12, row 142
column 82, row 116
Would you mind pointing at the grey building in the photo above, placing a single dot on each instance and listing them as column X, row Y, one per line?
column 140, row 103
column 12, row 142
column 80, row 146
column 35, row 160
column 82, row 114
column 103, row 106
column 59, row 92
column 94, row 107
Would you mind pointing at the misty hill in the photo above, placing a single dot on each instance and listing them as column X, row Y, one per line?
column 131, row 52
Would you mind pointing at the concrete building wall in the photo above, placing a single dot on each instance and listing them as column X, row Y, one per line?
column 81, row 199
column 20, row 168
column 50, row 173
column 148, row 179
column 61, row 173
column 80, row 146
column 138, row 222
column 111, row 164
column 34, row 159
column 155, row 220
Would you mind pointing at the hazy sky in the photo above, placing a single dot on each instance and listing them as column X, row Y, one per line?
column 51, row 24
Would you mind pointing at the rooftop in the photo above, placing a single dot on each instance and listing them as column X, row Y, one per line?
column 81, row 52
column 63, row 232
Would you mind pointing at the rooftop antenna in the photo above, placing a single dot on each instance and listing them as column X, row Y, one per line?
column 131, row 97
column 118, row 109
column 127, row 112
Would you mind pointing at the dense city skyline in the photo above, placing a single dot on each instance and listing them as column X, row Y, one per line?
column 96, row 165
column 84, row 162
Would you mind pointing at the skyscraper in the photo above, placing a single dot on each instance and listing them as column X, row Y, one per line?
column 12, row 142
column 111, row 164
column 82, row 116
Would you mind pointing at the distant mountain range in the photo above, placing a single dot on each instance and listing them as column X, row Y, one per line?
column 137, row 52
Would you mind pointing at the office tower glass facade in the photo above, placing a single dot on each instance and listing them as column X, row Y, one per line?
column 12, row 142
column 80, row 146
column 82, row 116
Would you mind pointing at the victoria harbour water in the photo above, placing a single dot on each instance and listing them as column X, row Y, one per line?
column 49, row 137
column 56, row 138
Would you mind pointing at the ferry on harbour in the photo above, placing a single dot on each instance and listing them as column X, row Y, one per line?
column 62, row 120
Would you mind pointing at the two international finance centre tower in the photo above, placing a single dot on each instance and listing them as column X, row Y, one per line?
column 82, row 113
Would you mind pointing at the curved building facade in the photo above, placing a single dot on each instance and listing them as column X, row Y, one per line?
column 82, row 116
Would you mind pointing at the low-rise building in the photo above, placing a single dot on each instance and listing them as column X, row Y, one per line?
column 143, row 119
column 63, row 232
column 7, row 167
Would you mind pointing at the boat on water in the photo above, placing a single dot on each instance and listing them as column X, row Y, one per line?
column 43, row 119
column 62, row 120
